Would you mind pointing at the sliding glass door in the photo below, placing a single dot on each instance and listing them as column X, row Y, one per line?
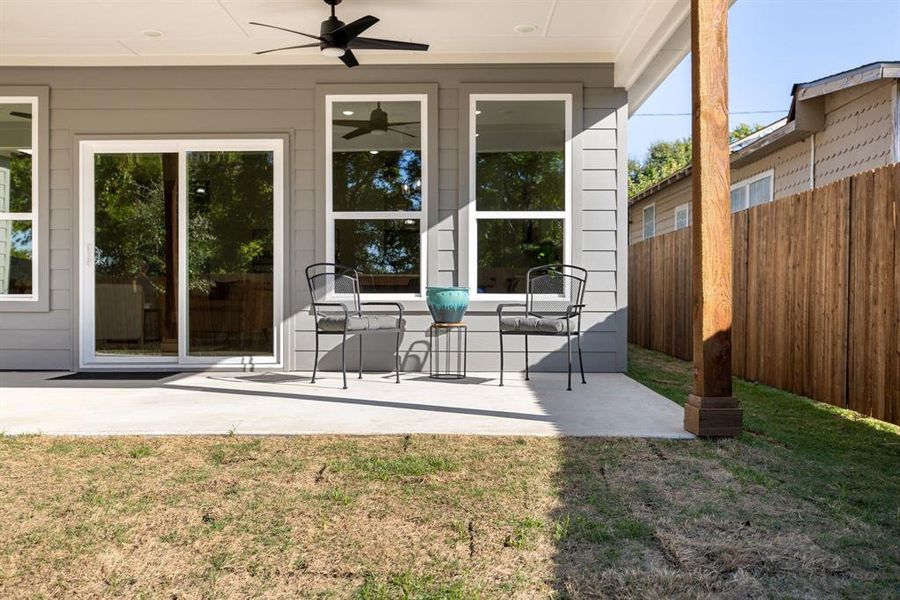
column 230, row 253
column 181, row 252
column 135, row 285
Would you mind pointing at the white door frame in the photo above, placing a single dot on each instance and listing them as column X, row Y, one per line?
column 87, row 150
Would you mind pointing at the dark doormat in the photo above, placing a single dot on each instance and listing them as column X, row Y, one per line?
column 118, row 375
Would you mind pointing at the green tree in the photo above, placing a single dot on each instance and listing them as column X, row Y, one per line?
column 664, row 158
column 229, row 216
column 743, row 130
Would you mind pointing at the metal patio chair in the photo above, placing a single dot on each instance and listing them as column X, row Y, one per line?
column 554, row 296
column 334, row 290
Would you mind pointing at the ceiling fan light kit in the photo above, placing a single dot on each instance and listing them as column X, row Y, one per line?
column 337, row 39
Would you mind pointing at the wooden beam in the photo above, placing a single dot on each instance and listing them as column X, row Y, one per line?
column 711, row 410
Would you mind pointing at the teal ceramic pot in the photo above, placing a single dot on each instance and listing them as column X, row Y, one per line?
column 447, row 304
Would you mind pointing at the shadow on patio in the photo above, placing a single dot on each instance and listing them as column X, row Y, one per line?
column 280, row 403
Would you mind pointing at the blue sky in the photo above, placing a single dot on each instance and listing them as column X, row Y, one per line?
column 772, row 45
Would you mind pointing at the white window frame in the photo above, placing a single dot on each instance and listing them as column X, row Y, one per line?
column 475, row 215
column 644, row 222
column 683, row 208
column 88, row 149
column 36, row 200
column 421, row 215
column 745, row 183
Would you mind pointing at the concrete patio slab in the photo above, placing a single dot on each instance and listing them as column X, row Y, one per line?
column 287, row 403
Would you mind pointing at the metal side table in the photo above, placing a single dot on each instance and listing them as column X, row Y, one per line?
column 449, row 361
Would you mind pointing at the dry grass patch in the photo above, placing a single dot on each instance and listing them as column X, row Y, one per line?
column 202, row 517
column 805, row 504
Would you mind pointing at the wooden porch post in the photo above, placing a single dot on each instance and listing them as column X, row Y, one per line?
column 711, row 410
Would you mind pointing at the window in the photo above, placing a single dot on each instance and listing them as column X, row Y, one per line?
column 738, row 198
column 683, row 216
column 760, row 191
column 181, row 251
column 519, row 171
column 18, row 198
column 376, row 190
column 752, row 192
column 649, row 221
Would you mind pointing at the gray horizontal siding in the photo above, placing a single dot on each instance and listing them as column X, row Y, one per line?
column 190, row 101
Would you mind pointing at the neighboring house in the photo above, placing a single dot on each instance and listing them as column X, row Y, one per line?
column 837, row 126
column 170, row 187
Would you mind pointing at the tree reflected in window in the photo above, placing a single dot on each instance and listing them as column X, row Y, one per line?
column 509, row 247
column 377, row 200
column 520, row 188
column 379, row 181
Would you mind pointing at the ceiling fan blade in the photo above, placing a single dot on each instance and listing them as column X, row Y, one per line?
column 362, row 43
column 357, row 132
column 401, row 132
column 309, row 35
column 403, row 123
column 21, row 115
column 351, row 30
column 314, row 45
column 349, row 59
column 350, row 123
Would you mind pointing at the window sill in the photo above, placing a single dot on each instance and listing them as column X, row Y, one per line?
column 25, row 304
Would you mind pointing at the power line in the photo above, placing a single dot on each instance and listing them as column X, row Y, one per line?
column 687, row 114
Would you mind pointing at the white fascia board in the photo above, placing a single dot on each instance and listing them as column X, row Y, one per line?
column 657, row 58
column 653, row 33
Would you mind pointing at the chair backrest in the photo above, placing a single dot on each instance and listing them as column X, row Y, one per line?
column 550, row 289
column 330, row 282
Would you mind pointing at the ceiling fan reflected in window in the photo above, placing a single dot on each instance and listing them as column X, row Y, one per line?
column 338, row 39
column 21, row 115
column 377, row 124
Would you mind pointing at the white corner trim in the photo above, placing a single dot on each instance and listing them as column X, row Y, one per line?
column 896, row 119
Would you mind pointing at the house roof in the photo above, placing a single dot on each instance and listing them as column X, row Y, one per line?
column 845, row 79
column 787, row 130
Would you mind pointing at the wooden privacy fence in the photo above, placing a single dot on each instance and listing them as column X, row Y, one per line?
column 816, row 294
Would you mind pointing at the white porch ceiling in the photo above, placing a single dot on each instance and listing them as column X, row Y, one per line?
column 628, row 33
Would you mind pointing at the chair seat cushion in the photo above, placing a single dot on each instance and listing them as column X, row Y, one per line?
column 356, row 323
column 532, row 325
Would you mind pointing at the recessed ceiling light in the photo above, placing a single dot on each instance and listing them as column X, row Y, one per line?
column 525, row 28
column 373, row 151
column 154, row 33
column 348, row 113
column 477, row 112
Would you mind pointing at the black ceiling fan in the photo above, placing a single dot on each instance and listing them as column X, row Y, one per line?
column 21, row 115
column 377, row 124
column 339, row 39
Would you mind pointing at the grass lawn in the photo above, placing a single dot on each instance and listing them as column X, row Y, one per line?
column 806, row 503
